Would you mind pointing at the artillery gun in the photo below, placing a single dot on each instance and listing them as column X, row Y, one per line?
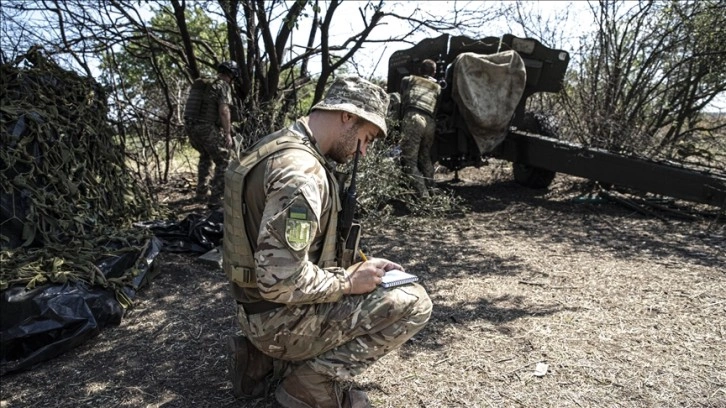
column 534, row 149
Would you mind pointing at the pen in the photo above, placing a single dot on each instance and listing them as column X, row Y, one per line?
column 362, row 255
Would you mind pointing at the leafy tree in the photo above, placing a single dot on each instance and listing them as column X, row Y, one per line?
column 642, row 83
column 639, row 82
column 146, row 58
column 151, row 76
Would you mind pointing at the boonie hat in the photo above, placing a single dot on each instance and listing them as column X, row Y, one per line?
column 357, row 96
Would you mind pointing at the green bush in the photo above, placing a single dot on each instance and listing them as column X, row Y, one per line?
column 384, row 190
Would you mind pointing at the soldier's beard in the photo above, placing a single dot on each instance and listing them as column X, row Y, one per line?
column 344, row 149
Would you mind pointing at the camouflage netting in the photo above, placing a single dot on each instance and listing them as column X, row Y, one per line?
column 66, row 197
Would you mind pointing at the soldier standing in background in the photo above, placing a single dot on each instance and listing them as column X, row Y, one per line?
column 419, row 94
column 299, row 305
column 208, row 124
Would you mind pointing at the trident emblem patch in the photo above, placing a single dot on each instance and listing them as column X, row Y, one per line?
column 298, row 229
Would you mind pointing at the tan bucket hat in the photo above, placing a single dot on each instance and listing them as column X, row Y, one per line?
column 357, row 96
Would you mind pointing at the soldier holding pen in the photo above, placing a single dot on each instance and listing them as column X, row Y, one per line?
column 302, row 306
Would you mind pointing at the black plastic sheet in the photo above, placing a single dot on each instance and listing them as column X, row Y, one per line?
column 196, row 233
column 44, row 322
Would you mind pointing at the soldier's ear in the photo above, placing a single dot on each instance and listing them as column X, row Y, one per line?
column 347, row 117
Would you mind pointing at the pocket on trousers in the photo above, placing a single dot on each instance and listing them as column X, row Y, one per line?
column 287, row 336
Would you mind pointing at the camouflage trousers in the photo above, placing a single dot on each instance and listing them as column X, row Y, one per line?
column 207, row 139
column 417, row 137
column 341, row 339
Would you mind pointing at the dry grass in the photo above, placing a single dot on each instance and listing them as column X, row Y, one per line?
column 625, row 310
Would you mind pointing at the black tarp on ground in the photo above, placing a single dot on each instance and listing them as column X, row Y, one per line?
column 44, row 322
column 196, row 233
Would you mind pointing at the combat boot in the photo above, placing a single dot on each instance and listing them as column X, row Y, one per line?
column 305, row 388
column 248, row 368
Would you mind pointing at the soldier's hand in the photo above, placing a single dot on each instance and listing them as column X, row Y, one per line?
column 364, row 277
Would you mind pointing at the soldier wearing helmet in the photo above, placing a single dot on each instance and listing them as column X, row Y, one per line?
column 419, row 95
column 301, row 307
column 208, row 124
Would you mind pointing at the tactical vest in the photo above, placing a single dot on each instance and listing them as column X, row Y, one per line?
column 202, row 102
column 238, row 259
column 419, row 93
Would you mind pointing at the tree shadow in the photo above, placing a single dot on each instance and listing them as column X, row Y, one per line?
column 588, row 222
column 498, row 312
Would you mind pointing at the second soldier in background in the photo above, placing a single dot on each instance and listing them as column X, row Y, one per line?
column 208, row 124
column 419, row 95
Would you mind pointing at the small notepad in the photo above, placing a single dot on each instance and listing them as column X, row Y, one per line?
column 397, row 277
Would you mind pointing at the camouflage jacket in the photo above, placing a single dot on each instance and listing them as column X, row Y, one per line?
column 288, row 204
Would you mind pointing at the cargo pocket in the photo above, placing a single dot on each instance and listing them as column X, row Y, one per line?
column 290, row 334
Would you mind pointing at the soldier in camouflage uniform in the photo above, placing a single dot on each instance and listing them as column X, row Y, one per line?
column 419, row 95
column 299, row 307
column 208, row 124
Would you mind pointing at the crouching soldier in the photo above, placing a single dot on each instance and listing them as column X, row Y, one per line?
column 298, row 304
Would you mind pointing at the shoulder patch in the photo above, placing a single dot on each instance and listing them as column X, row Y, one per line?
column 295, row 225
column 299, row 228
column 298, row 232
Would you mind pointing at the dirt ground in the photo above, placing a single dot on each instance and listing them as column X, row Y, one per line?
column 539, row 301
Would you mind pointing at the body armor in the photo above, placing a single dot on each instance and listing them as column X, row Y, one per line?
column 419, row 93
column 202, row 102
column 238, row 257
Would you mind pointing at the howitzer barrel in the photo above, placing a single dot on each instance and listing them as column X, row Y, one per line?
column 668, row 179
